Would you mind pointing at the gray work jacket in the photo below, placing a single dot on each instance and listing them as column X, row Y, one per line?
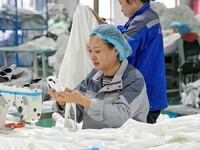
column 113, row 104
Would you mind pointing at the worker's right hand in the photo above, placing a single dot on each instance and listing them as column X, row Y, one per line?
column 90, row 8
column 98, row 18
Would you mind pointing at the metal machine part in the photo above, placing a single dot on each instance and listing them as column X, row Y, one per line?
column 27, row 101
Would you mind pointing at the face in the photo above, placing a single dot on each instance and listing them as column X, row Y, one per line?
column 102, row 57
column 128, row 9
column 174, row 29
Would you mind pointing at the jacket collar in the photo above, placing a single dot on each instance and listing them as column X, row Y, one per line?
column 138, row 12
column 117, row 77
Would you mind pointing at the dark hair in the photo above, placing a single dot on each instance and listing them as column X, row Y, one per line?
column 143, row 1
column 108, row 44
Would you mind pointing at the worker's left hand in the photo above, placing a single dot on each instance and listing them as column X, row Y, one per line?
column 55, row 96
column 70, row 96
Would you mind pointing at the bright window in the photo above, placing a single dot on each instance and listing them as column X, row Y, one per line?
column 88, row 3
column 105, row 10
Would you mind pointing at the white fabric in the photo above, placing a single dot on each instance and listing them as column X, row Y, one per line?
column 174, row 134
column 170, row 42
column 76, row 63
column 3, row 112
column 68, row 121
column 56, row 60
column 60, row 122
column 190, row 94
column 42, row 43
column 57, row 12
column 181, row 13
column 171, row 48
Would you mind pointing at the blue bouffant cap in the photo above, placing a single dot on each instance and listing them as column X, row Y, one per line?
column 175, row 24
column 184, row 28
column 110, row 33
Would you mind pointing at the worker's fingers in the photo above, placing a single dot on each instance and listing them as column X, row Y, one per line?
column 68, row 90
column 53, row 94
column 88, row 7
column 52, row 90
column 62, row 94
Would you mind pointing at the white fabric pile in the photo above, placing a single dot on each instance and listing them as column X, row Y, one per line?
column 158, row 7
column 42, row 43
column 182, row 13
column 177, row 133
column 57, row 12
column 168, row 40
column 27, row 18
column 55, row 61
column 191, row 94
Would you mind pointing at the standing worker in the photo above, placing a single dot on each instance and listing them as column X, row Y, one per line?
column 143, row 33
column 174, row 26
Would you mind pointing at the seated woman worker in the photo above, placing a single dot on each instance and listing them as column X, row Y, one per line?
column 113, row 91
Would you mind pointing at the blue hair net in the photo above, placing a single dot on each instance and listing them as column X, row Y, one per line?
column 184, row 28
column 110, row 33
column 175, row 24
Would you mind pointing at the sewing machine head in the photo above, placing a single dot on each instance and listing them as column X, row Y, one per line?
column 27, row 101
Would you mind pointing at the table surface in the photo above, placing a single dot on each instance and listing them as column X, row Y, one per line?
column 17, row 49
column 183, row 110
column 172, row 54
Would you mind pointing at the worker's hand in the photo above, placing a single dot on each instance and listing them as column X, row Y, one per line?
column 70, row 96
column 90, row 8
column 73, row 96
column 55, row 96
column 98, row 18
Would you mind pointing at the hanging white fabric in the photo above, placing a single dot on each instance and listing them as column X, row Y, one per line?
column 76, row 62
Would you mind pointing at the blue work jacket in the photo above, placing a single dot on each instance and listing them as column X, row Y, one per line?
column 143, row 33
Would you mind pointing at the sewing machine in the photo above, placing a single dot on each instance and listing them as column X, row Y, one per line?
column 27, row 101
